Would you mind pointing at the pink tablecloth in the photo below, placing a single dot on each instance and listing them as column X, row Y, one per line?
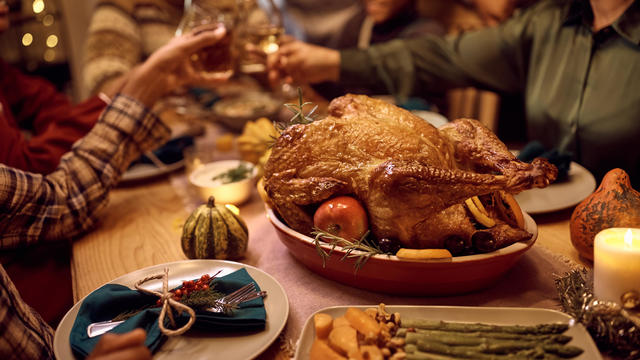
column 530, row 283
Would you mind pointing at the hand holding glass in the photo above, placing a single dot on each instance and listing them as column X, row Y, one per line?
column 259, row 35
column 215, row 61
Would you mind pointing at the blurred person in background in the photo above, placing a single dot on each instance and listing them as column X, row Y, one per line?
column 380, row 21
column 37, row 209
column 321, row 22
column 384, row 20
column 122, row 34
column 576, row 63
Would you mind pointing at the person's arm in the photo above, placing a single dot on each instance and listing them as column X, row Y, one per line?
column 26, row 335
column 23, row 332
column 54, row 124
column 65, row 203
column 494, row 58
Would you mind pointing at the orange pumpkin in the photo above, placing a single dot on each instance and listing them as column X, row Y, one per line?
column 614, row 204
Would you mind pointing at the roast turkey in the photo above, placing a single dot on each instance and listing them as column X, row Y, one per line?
column 411, row 177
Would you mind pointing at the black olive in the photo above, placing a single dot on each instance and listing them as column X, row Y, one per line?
column 388, row 246
column 456, row 245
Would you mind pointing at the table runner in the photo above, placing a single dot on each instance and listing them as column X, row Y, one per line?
column 530, row 283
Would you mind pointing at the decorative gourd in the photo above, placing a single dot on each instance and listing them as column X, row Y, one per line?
column 614, row 204
column 213, row 231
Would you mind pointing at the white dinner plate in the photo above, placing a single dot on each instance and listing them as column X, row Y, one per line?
column 141, row 171
column 434, row 118
column 560, row 195
column 197, row 344
column 488, row 315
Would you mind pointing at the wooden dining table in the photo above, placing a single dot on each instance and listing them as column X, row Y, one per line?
column 141, row 227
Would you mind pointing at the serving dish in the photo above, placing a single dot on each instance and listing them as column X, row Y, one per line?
column 235, row 192
column 235, row 111
column 195, row 344
column 388, row 274
column 489, row 315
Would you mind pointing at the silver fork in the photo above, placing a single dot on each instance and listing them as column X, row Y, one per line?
column 231, row 301
column 224, row 304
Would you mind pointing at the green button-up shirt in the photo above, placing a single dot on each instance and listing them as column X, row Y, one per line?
column 581, row 89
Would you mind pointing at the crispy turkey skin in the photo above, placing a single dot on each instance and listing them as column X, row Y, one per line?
column 411, row 177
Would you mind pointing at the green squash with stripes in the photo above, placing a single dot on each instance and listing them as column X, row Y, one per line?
column 213, row 231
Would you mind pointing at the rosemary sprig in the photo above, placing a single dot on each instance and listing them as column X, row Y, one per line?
column 299, row 117
column 365, row 248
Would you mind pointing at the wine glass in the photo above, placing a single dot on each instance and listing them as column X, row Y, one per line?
column 260, row 29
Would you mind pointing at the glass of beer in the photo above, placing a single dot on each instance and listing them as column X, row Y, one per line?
column 259, row 31
column 218, row 60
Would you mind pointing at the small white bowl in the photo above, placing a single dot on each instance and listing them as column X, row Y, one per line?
column 236, row 192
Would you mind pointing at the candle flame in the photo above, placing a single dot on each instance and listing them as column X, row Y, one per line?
column 628, row 238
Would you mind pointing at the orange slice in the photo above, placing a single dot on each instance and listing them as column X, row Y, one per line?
column 510, row 209
column 423, row 254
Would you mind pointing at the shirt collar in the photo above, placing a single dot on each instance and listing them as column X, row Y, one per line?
column 627, row 26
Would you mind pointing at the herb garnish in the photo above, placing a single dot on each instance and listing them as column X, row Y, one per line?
column 238, row 173
column 365, row 247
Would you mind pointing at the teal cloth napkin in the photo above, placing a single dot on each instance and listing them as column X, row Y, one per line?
column 110, row 300
column 561, row 159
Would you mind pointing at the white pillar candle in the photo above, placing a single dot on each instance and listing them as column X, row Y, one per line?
column 616, row 263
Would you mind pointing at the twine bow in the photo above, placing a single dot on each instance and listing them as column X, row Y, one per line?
column 168, row 305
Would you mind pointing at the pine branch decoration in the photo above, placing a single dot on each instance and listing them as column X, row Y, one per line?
column 613, row 328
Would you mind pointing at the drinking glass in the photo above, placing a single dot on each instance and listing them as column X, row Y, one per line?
column 259, row 31
column 218, row 60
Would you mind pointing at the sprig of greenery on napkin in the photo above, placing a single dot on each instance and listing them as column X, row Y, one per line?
column 112, row 299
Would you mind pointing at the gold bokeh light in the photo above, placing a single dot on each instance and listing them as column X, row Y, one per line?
column 49, row 55
column 47, row 20
column 52, row 41
column 38, row 6
column 27, row 39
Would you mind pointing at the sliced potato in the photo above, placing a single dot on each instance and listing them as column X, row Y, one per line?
column 362, row 322
column 344, row 340
column 340, row 321
column 323, row 323
column 320, row 350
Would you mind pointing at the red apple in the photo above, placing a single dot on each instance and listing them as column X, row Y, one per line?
column 342, row 216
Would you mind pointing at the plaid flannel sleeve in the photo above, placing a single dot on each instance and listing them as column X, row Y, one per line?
column 23, row 333
column 63, row 204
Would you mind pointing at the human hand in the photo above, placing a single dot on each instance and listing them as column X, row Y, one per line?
column 170, row 67
column 128, row 346
column 304, row 63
